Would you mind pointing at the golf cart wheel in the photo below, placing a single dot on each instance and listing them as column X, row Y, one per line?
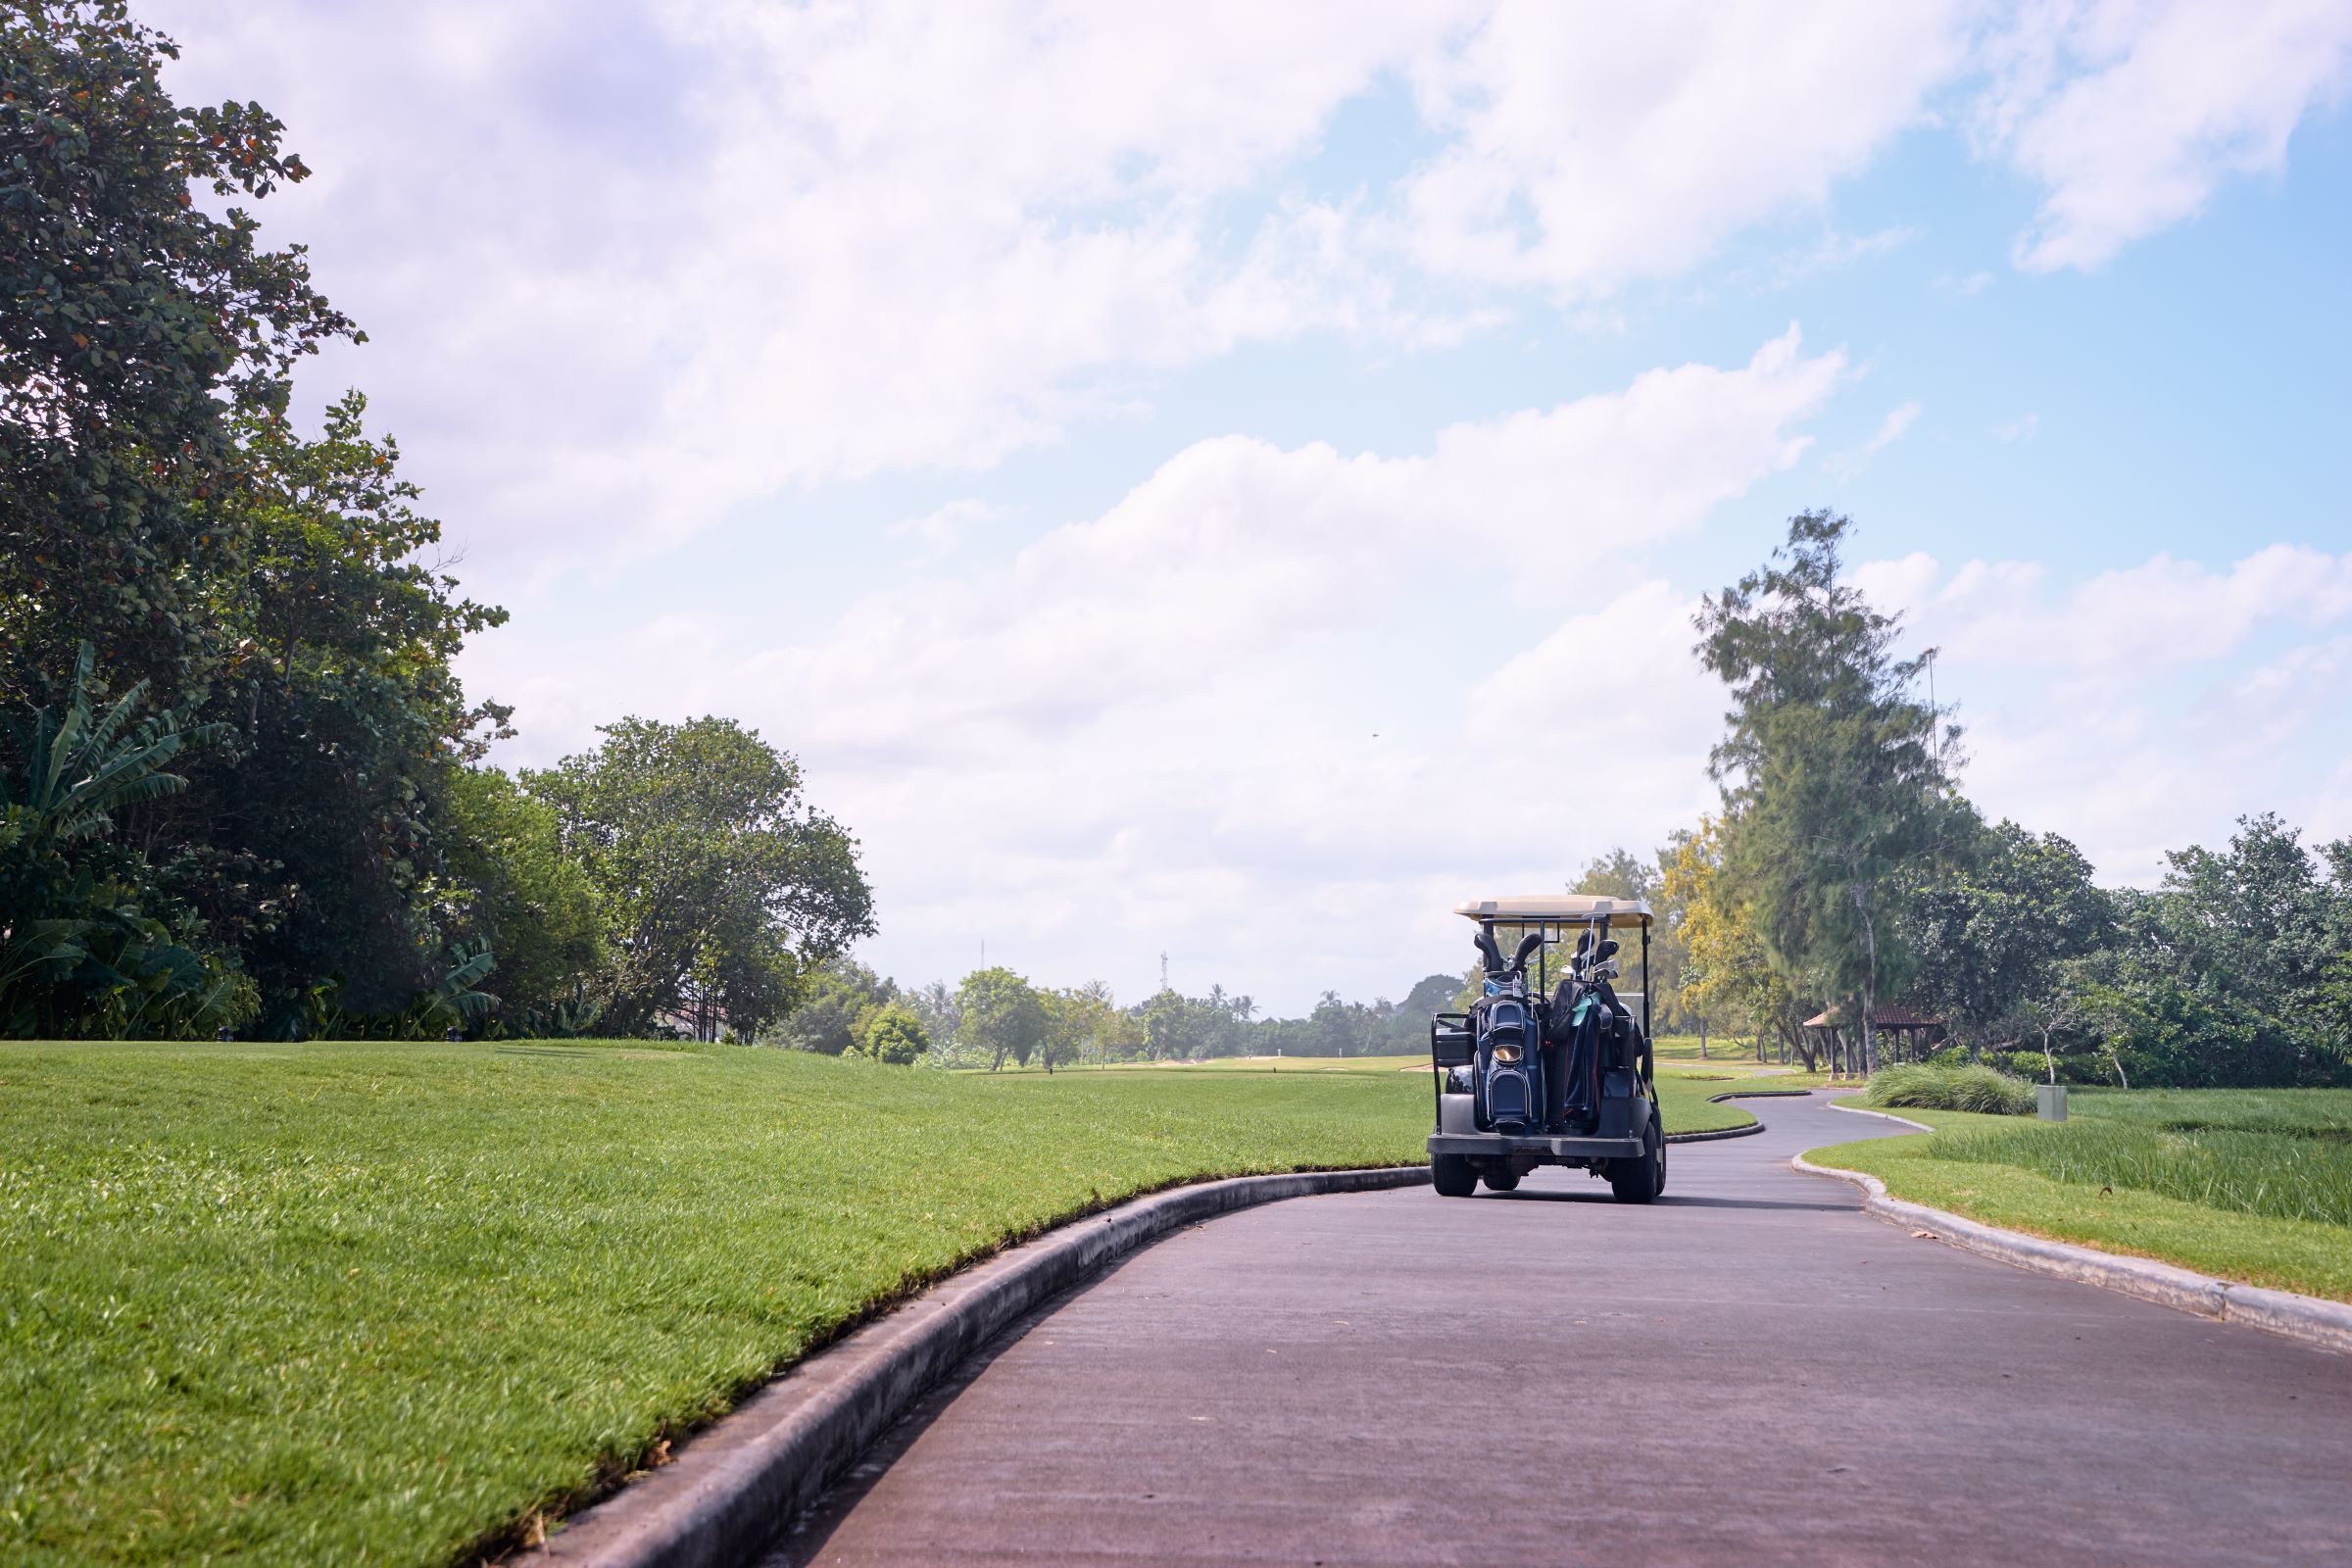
column 1643, row 1177
column 1452, row 1175
column 1500, row 1181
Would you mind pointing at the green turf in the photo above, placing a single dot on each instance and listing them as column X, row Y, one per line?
column 2252, row 1185
column 1684, row 1101
column 389, row 1303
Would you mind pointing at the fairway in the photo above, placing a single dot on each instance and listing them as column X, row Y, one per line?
column 327, row 1303
column 1687, row 1101
column 2252, row 1185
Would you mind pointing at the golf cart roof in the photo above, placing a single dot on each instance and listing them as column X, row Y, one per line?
column 1553, row 909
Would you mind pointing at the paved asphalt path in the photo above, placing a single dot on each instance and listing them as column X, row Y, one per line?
column 1748, row 1371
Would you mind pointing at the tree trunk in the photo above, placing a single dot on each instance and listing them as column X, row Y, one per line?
column 1702, row 1039
column 1870, row 980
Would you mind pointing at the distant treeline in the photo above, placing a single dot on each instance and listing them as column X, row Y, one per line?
column 1847, row 884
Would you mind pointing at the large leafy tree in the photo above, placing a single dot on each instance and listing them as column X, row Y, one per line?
column 511, row 889
column 2229, row 973
column 719, row 883
column 139, row 328
column 1993, row 930
column 1832, row 774
column 1002, row 1016
column 835, row 1003
column 317, row 834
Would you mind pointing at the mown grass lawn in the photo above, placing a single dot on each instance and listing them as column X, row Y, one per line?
column 2251, row 1185
column 388, row 1303
column 1684, row 1101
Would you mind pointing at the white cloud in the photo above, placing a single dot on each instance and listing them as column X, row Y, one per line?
column 1156, row 727
column 1845, row 465
column 943, row 531
column 646, row 263
column 638, row 265
column 2144, row 708
column 2132, row 112
column 1967, row 287
column 1595, row 146
column 2020, row 428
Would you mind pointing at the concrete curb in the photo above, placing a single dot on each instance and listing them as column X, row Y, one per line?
column 2309, row 1318
column 1883, row 1116
column 1748, row 1131
column 736, row 1487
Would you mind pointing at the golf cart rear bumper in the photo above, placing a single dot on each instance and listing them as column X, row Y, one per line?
column 1497, row 1145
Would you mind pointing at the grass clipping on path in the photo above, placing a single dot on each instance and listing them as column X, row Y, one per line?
column 2249, row 1185
column 334, row 1304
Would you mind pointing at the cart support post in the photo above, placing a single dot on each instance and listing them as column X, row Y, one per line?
column 1645, row 980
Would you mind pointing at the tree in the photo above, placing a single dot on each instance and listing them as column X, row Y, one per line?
column 941, row 1013
column 1993, row 930
column 139, row 328
column 838, row 1001
column 2225, row 975
column 719, row 883
column 1833, row 777
column 1727, row 974
column 894, row 1036
column 1082, row 1021
column 1001, row 1015
column 1623, row 874
column 511, row 890
column 1171, row 1027
column 82, row 949
column 318, row 833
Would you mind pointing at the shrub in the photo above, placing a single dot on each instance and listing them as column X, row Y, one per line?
column 1934, row 1086
column 894, row 1036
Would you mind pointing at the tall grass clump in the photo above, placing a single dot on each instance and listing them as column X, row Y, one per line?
column 2304, row 1175
column 1935, row 1086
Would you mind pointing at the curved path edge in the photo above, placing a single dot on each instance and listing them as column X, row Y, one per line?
column 737, row 1484
column 2309, row 1318
column 1750, row 1130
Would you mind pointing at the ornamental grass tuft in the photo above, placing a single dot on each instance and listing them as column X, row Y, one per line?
column 1935, row 1086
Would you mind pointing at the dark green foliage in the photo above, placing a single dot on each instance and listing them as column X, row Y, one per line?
column 316, row 838
column 2228, row 975
column 1431, row 994
column 511, row 890
column 154, row 502
column 1002, row 1016
column 836, row 1002
column 717, row 882
column 85, row 946
column 894, row 1036
column 1992, row 927
column 135, row 329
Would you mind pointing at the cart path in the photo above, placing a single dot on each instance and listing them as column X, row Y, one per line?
column 1749, row 1371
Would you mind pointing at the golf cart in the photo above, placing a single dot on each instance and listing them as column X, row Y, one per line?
column 1533, row 1075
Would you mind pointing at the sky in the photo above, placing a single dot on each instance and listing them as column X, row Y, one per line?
column 1231, row 480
